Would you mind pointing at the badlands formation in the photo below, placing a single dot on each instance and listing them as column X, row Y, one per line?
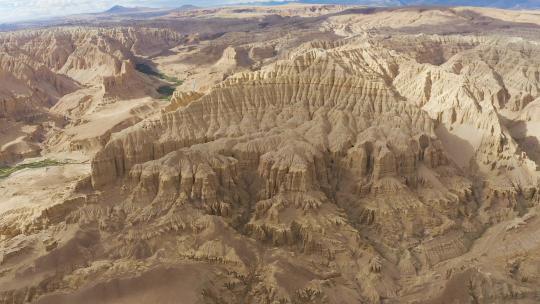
column 309, row 154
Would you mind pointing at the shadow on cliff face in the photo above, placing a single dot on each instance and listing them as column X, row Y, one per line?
column 532, row 145
column 458, row 149
column 457, row 290
column 71, row 255
column 162, row 285
column 529, row 144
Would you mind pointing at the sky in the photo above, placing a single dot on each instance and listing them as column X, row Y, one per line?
column 19, row 10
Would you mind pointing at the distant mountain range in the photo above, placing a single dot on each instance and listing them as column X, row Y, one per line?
column 118, row 9
column 123, row 10
column 512, row 4
column 508, row 4
column 488, row 3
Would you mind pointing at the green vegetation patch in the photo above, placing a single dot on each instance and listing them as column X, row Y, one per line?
column 174, row 80
column 148, row 70
column 166, row 92
column 7, row 171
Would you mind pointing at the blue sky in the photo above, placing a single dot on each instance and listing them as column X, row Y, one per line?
column 16, row 10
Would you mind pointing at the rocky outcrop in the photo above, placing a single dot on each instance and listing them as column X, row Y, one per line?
column 28, row 86
column 265, row 100
column 127, row 83
column 82, row 68
column 182, row 99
